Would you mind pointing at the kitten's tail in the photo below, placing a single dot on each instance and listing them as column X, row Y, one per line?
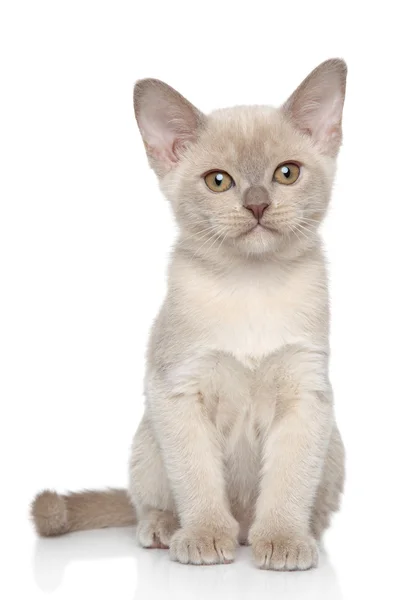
column 55, row 514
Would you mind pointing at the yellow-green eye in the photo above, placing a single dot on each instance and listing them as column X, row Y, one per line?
column 287, row 173
column 218, row 181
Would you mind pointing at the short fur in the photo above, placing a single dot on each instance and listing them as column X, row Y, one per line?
column 238, row 441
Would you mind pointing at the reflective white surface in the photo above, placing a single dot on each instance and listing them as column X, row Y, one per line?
column 108, row 564
column 154, row 575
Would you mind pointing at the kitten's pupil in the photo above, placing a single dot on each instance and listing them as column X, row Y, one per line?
column 286, row 171
column 218, row 179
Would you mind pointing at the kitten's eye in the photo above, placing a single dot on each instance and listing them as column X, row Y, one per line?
column 287, row 173
column 218, row 181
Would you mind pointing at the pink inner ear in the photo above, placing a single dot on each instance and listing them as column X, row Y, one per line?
column 167, row 121
column 159, row 139
column 162, row 154
column 316, row 106
column 167, row 150
column 318, row 115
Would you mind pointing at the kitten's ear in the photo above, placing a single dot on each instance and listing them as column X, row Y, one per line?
column 166, row 120
column 316, row 106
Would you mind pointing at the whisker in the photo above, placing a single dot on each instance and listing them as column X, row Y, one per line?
column 301, row 231
column 209, row 248
column 292, row 230
column 309, row 220
column 203, row 233
column 223, row 239
column 214, row 237
column 305, row 228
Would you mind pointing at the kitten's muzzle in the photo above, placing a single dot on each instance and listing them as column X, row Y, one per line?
column 256, row 200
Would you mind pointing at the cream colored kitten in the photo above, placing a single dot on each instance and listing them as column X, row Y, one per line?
column 238, row 442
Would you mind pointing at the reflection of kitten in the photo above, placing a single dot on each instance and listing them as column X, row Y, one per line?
column 238, row 440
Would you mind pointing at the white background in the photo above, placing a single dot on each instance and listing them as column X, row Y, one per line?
column 84, row 238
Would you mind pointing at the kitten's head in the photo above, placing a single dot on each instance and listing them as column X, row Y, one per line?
column 256, row 179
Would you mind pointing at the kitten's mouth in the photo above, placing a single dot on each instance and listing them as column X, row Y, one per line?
column 260, row 227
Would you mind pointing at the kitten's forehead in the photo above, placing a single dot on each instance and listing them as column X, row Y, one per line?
column 252, row 138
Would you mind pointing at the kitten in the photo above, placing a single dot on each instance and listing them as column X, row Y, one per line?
column 238, row 442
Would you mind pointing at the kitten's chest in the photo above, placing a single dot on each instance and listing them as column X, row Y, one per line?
column 239, row 399
column 251, row 322
column 250, row 336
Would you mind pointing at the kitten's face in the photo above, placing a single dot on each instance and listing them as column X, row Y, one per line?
column 279, row 184
column 254, row 179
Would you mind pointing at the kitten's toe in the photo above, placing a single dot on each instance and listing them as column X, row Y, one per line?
column 202, row 547
column 285, row 554
column 155, row 530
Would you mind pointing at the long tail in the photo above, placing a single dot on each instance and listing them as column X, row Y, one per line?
column 55, row 514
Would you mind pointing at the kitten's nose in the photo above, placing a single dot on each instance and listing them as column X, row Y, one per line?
column 257, row 209
column 256, row 200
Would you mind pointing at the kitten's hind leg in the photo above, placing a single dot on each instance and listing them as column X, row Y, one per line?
column 150, row 491
column 156, row 528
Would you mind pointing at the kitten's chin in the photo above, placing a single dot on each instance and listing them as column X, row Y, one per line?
column 260, row 239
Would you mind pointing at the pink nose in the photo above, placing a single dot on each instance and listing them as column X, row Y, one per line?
column 257, row 209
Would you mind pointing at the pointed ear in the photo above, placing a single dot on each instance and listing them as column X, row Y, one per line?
column 316, row 106
column 166, row 120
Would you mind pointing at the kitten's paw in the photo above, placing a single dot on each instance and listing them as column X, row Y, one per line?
column 284, row 553
column 202, row 547
column 156, row 529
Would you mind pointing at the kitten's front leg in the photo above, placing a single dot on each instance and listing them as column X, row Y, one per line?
column 293, row 455
column 193, row 461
